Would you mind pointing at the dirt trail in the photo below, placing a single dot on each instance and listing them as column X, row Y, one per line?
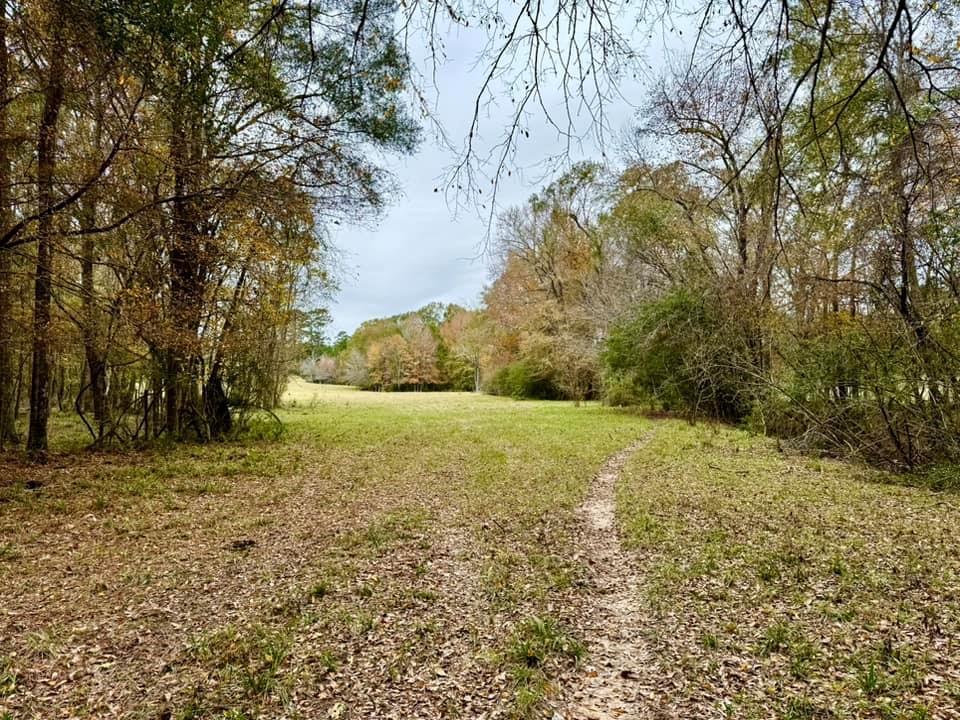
column 614, row 682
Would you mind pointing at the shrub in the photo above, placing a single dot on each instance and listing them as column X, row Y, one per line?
column 683, row 354
column 523, row 379
column 864, row 386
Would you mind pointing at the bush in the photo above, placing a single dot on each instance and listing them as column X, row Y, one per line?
column 863, row 385
column 523, row 379
column 619, row 390
column 681, row 353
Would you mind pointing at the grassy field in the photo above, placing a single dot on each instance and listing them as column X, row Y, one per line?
column 389, row 556
column 792, row 587
column 415, row 556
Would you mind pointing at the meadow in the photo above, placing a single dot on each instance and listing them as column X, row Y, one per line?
column 418, row 555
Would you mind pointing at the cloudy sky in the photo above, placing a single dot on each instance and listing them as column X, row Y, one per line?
column 422, row 249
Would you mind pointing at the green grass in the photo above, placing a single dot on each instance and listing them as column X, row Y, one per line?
column 8, row 677
column 247, row 663
column 387, row 542
column 538, row 648
column 8, row 552
column 838, row 582
column 349, row 523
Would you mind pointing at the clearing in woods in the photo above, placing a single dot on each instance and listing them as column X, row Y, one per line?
column 462, row 556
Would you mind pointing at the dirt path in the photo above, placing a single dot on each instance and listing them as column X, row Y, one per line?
column 612, row 684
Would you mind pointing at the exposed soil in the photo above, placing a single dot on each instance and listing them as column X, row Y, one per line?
column 614, row 683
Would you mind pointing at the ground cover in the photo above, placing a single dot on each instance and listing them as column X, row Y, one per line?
column 460, row 556
column 388, row 556
column 791, row 587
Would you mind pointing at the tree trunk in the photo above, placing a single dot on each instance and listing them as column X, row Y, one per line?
column 93, row 346
column 93, row 352
column 187, row 273
column 215, row 401
column 217, row 406
column 42, row 289
column 18, row 395
column 8, row 430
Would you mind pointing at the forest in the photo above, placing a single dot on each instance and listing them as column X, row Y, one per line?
column 166, row 174
column 663, row 286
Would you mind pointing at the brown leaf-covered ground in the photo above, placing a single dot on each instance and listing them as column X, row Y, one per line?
column 391, row 556
column 432, row 556
column 789, row 587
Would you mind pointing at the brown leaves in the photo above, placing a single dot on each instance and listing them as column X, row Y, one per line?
column 343, row 570
column 783, row 587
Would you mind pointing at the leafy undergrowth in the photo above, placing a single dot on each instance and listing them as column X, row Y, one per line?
column 389, row 556
column 790, row 587
column 539, row 649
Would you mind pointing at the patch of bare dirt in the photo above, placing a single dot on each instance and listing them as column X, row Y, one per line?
column 615, row 682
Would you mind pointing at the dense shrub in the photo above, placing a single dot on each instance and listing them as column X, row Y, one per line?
column 680, row 353
column 865, row 386
column 619, row 390
column 523, row 379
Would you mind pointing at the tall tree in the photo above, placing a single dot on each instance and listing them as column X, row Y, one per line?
column 466, row 333
column 47, row 138
column 8, row 432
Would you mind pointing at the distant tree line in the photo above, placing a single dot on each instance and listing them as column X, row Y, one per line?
column 790, row 263
column 438, row 347
column 798, row 273
column 780, row 247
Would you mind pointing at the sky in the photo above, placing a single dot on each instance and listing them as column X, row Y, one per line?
column 423, row 248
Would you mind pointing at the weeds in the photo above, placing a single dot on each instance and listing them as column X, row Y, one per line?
column 8, row 553
column 536, row 644
column 801, row 708
column 823, row 570
column 46, row 643
column 8, row 677
column 803, row 654
column 248, row 661
column 775, row 639
column 320, row 589
column 388, row 475
column 869, row 681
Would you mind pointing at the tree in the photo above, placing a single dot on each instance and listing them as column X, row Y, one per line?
column 313, row 331
column 546, row 304
column 47, row 139
column 715, row 120
column 185, row 158
column 421, row 352
column 354, row 368
column 467, row 335
column 322, row 369
column 388, row 362
column 8, row 430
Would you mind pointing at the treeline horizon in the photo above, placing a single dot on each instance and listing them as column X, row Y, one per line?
column 780, row 248
column 665, row 286
column 436, row 347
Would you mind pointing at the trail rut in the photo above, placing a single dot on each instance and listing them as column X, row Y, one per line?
column 614, row 684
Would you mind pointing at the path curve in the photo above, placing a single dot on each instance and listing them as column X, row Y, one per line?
column 611, row 686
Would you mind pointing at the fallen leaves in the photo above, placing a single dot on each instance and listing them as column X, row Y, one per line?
column 342, row 570
column 782, row 587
